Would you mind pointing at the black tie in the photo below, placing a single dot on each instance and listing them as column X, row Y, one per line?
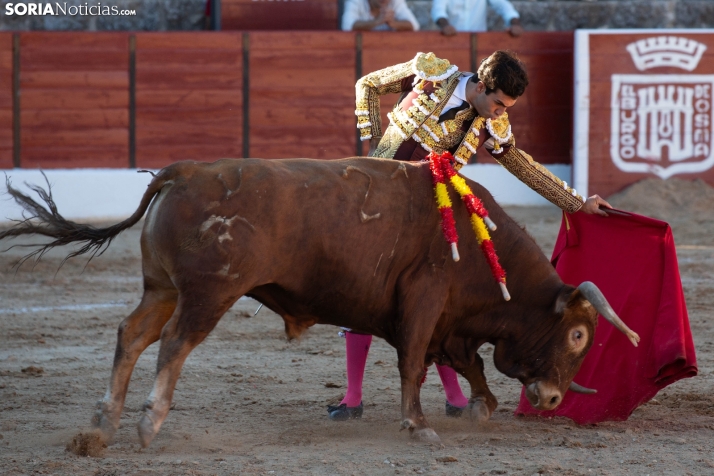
column 451, row 113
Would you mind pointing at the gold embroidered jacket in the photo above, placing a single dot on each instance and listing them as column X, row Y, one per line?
column 430, row 82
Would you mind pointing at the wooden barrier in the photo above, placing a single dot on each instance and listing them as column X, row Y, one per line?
column 189, row 102
column 302, row 95
column 279, row 15
column 6, row 104
column 94, row 100
column 74, row 100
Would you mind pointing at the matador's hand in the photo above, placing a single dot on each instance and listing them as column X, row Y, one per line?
column 592, row 205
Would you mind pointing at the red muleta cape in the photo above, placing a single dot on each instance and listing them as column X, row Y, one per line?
column 632, row 259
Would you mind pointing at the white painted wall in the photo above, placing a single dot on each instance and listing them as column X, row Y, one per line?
column 110, row 194
column 80, row 194
column 581, row 118
column 506, row 188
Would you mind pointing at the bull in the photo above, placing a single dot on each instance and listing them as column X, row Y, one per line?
column 353, row 243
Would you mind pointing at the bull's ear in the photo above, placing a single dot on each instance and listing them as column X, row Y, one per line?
column 567, row 297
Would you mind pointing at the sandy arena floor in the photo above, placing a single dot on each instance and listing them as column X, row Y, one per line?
column 249, row 402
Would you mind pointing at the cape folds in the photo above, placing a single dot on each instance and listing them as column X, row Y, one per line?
column 632, row 259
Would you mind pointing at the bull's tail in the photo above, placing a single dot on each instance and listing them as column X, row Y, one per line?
column 38, row 220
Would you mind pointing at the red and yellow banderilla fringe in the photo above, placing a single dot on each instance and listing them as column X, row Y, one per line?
column 441, row 169
column 443, row 203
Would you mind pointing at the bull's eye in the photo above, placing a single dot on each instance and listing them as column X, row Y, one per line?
column 578, row 338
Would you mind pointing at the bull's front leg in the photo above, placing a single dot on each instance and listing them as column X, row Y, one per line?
column 421, row 303
column 411, row 371
column 482, row 403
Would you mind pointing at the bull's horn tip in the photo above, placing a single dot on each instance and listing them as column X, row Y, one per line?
column 489, row 223
column 580, row 389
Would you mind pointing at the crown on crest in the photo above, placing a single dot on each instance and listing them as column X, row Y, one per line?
column 666, row 51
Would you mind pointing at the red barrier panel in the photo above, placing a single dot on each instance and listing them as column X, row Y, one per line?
column 189, row 93
column 279, row 15
column 302, row 95
column 543, row 117
column 75, row 98
column 6, row 125
column 189, row 99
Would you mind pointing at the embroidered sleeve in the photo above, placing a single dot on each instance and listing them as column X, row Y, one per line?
column 539, row 178
column 502, row 145
column 369, row 88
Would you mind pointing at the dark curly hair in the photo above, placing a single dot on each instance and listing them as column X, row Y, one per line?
column 503, row 70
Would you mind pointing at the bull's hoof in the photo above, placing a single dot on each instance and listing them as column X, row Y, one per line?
column 479, row 411
column 147, row 430
column 408, row 424
column 101, row 422
column 426, row 435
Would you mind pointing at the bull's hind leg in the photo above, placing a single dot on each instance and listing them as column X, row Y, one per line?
column 482, row 403
column 195, row 317
column 139, row 330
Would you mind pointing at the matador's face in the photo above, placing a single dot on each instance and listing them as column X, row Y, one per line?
column 489, row 106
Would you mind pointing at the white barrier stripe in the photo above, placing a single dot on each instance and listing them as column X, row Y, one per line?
column 69, row 307
column 581, row 118
column 79, row 307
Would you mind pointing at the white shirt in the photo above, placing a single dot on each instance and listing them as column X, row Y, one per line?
column 459, row 95
column 470, row 15
column 358, row 10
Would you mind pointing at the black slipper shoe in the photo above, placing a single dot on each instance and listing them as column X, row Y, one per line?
column 453, row 411
column 343, row 412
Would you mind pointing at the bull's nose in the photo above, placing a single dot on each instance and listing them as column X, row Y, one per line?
column 548, row 397
column 543, row 396
column 553, row 401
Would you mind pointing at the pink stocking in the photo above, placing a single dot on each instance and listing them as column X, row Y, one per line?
column 452, row 389
column 357, row 346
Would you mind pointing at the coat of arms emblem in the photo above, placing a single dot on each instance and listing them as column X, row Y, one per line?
column 663, row 123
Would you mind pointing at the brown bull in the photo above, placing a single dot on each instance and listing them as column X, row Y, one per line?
column 353, row 243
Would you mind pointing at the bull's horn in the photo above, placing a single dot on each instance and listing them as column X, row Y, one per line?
column 597, row 299
column 574, row 387
column 489, row 223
